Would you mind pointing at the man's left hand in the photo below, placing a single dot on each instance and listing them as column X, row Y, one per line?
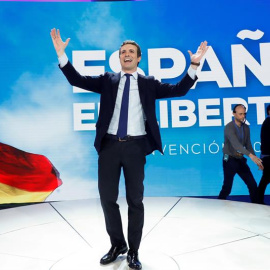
column 196, row 57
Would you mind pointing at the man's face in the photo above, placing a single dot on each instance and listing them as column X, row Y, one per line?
column 128, row 58
column 240, row 114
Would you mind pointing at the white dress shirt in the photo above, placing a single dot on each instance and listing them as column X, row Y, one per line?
column 136, row 117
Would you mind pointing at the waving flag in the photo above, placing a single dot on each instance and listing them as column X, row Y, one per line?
column 25, row 177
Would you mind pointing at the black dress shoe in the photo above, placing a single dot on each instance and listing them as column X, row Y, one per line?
column 113, row 253
column 133, row 260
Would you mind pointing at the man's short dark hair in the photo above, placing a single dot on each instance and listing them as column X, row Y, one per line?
column 132, row 42
column 238, row 105
column 268, row 109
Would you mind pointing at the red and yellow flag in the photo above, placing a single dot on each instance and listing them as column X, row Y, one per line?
column 25, row 177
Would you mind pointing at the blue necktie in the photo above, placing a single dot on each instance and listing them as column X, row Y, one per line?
column 123, row 119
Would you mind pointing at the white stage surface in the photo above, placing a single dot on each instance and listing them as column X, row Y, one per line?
column 179, row 233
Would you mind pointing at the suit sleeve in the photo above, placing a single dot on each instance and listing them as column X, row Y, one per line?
column 166, row 90
column 248, row 142
column 88, row 83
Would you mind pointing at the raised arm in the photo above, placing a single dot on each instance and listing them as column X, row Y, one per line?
column 58, row 43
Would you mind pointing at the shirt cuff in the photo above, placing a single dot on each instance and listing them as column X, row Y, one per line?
column 63, row 60
column 192, row 73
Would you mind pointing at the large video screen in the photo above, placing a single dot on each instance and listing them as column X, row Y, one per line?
column 44, row 119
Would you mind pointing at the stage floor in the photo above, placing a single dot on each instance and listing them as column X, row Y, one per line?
column 179, row 233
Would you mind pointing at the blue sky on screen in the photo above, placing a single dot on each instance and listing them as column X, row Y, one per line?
column 36, row 101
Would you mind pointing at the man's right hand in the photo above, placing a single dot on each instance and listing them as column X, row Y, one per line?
column 257, row 161
column 58, row 43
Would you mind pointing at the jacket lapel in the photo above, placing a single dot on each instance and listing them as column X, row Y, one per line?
column 142, row 87
column 115, row 84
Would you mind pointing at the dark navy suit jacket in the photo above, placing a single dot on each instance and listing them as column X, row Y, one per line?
column 265, row 137
column 149, row 90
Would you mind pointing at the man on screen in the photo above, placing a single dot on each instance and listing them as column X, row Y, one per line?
column 126, row 131
column 237, row 144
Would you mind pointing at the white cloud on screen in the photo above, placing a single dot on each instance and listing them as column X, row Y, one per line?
column 38, row 116
column 38, row 119
column 100, row 29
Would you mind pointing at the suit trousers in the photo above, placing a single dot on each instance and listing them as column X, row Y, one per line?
column 239, row 166
column 265, row 180
column 128, row 156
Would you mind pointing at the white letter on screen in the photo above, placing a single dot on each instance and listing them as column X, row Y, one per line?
column 204, row 112
column 78, row 60
column 188, row 113
column 154, row 63
column 79, row 116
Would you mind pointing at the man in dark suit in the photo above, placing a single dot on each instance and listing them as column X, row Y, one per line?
column 265, row 156
column 126, row 132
